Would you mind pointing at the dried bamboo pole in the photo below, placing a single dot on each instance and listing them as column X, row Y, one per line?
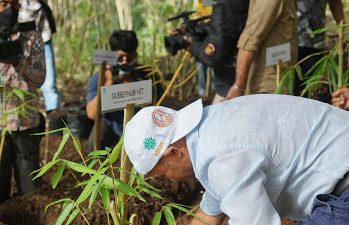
column 340, row 54
column 179, row 68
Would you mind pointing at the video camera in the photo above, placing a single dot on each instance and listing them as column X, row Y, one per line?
column 193, row 28
column 123, row 69
column 12, row 51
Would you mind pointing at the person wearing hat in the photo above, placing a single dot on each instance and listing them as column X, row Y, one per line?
column 257, row 164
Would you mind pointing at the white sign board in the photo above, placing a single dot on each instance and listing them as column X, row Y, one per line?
column 209, row 2
column 100, row 56
column 279, row 52
column 116, row 97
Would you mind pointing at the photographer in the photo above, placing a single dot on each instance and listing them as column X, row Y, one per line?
column 22, row 70
column 124, row 44
column 218, row 49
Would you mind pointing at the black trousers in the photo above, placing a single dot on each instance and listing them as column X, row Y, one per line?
column 20, row 155
column 306, row 65
column 108, row 137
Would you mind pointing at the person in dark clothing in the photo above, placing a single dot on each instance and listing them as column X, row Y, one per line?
column 20, row 73
column 312, row 17
column 124, row 44
column 218, row 49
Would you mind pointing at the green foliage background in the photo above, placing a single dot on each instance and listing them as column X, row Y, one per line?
column 85, row 25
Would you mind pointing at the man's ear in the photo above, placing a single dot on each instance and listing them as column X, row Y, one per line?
column 173, row 151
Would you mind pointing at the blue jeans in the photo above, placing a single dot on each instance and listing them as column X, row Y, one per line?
column 49, row 87
column 202, row 76
column 329, row 209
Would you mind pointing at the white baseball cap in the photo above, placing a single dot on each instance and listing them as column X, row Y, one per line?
column 153, row 129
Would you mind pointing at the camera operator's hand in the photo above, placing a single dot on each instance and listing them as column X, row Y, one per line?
column 108, row 76
column 188, row 40
column 180, row 31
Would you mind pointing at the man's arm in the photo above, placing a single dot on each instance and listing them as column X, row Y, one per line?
column 243, row 64
column 261, row 19
column 202, row 218
column 91, row 106
column 336, row 7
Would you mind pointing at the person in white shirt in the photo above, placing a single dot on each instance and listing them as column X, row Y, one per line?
column 260, row 157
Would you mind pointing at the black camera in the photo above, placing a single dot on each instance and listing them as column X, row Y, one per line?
column 195, row 28
column 121, row 69
column 12, row 51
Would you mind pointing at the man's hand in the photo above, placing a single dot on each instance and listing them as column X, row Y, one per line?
column 235, row 91
column 201, row 218
column 243, row 63
column 340, row 98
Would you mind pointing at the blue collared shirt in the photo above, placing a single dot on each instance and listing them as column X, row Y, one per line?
column 262, row 157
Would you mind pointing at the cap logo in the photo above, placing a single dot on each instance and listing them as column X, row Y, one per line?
column 210, row 49
column 161, row 118
column 149, row 143
column 158, row 149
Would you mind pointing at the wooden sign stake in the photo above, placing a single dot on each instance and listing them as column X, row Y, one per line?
column 125, row 163
column 278, row 72
column 98, row 117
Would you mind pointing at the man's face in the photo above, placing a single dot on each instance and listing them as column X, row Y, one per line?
column 124, row 57
column 174, row 165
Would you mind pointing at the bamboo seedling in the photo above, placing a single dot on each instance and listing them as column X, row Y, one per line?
column 327, row 71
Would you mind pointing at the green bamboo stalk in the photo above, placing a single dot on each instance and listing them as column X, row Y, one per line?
column 113, row 213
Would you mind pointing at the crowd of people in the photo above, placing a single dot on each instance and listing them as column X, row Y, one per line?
column 259, row 157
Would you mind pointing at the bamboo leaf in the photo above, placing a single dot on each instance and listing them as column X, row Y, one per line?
column 299, row 72
column 19, row 93
column 119, row 185
column 133, row 176
column 94, row 194
column 152, row 193
column 57, row 176
column 310, row 71
column 45, row 168
column 77, row 144
column 156, row 219
column 79, row 168
column 169, row 216
column 56, row 202
column 280, row 88
column 116, row 151
column 143, row 183
column 291, row 81
column 180, row 207
column 88, row 188
column 98, row 153
column 91, row 165
column 72, row 216
column 67, row 207
column 50, row 132
column 105, row 198
column 62, row 144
